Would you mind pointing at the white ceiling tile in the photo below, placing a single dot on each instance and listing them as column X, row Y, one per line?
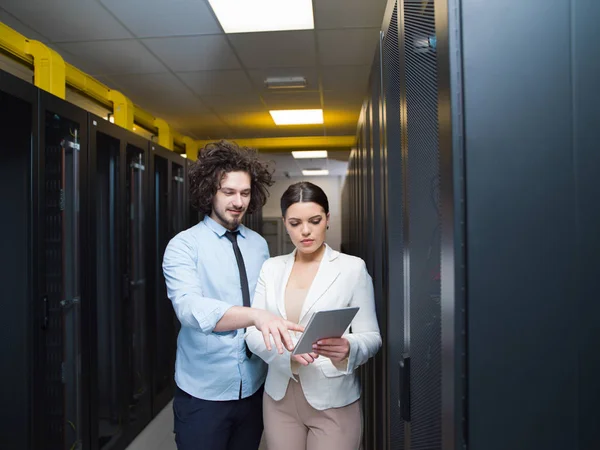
column 201, row 125
column 187, row 54
column 301, row 130
column 234, row 103
column 349, row 13
column 203, row 119
column 346, row 78
column 348, row 47
column 341, row 100
column 221, row 82
column 311, row 75
column 259, row 120
column 67, row 20
column 112, row 57
column 343, row 130
column 212, row 132
column 277, row 49
column 341, row 112
column 8, row 19
column 159, row 18
column 161, row 94
column 284, row 163
column 339, row 155
column 292, row 100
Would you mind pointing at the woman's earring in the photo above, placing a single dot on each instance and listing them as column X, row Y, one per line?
column 328, row 227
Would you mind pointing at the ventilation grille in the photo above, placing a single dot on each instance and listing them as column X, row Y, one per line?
column 53, row 384
column 424, row 221
column 391, row 79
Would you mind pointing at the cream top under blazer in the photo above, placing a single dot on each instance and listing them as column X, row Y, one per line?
column 341, row 281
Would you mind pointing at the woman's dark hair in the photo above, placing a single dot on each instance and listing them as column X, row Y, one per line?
column 304, row 192
column 219, row 158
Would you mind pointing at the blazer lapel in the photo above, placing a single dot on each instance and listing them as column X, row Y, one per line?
column 282, row 282
column 326, row 275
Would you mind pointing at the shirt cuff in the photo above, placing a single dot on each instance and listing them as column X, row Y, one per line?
column 209, row 321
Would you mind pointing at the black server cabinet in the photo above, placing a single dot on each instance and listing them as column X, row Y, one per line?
column 48, row 297
column 62, row 361
column 491, row 223
column 254, row 221
column 394, row 230
column 22, row 302
column 365, row 235
column 121, row 391
column 193, row 216
column 169, row 212
column 526, row 122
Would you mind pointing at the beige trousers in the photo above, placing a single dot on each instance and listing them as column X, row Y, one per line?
column 292, row 424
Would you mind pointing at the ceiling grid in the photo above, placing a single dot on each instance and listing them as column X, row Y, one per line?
column 173, row 59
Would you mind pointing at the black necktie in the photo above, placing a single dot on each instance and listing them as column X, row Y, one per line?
column 232, row 236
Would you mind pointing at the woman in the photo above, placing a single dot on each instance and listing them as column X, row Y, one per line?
column 311, row 401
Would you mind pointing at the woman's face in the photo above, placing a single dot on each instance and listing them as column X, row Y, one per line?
column 306, row 223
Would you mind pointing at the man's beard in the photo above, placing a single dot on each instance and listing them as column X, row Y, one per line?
column 232, row 223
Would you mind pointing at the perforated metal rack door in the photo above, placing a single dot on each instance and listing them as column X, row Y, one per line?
column 53, row 336
column 424, row 222
column 394, row 198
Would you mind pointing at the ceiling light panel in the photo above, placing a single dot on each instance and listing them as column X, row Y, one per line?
column 315, row 173
column 310, row 154
column 297, row 116
column 249, row 16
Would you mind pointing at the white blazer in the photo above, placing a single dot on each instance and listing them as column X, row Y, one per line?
column 341, row 281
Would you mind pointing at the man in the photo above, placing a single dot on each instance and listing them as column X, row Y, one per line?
column 211, row 272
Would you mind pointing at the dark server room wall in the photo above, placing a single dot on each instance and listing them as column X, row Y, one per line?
column 83, row 244
column 478, row 133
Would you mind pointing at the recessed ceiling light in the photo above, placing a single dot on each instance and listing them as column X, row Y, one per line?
column 184, row 155
column 297, row 116
column 315, row 173
column 280, row 83
column 248, row 16
column 310, row 154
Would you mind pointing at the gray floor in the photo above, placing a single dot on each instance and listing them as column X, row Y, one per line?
column 158, row 435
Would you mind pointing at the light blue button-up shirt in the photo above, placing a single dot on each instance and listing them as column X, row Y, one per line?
column 203, row 282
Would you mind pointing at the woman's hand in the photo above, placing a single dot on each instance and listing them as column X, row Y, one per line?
column 305, row 359
column 336, row 349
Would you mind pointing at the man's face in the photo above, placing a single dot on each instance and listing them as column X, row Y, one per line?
column 232, row 199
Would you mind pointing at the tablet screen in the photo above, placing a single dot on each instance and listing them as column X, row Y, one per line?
column 324, row 324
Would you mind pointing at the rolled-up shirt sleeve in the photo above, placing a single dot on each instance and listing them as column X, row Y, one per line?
column 184, row 287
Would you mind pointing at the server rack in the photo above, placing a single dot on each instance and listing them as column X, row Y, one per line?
column 490, row 224
column 62, row 338
column 47, row 298
column 82, row 274
column 168, row 191
column 21, row 301
column 44, row 271
column 120, row 372
column 254, row 221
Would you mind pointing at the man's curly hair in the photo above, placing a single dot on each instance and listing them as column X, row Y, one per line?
column 217, row 159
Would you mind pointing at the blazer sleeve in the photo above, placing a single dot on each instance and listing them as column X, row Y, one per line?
column 254, row 337
column 364, row 338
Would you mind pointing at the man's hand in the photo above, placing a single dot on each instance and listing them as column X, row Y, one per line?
column 336, row 349
column 305, row 359
column 271, row 325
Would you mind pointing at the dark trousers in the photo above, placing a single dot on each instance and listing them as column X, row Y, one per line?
column 214, row 425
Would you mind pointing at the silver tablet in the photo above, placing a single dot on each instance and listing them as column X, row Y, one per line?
column 322, row 325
